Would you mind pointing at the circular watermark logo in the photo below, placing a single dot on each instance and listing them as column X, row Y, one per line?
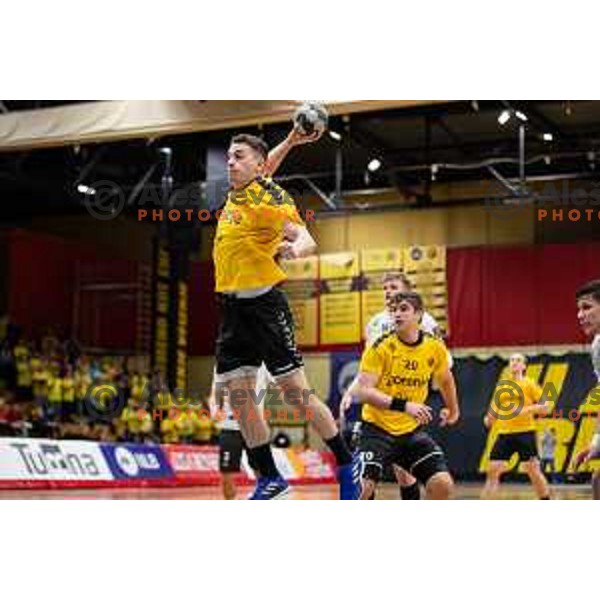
column 508, row 400
column 104, row 200
column 103, row 401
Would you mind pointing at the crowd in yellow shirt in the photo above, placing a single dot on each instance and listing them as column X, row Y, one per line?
column 102, row 398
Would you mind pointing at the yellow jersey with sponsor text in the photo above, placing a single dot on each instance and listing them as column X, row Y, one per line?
column 403, row 370
column 249, row 232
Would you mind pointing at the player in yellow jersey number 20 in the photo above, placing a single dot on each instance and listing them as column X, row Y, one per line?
column 393, row 383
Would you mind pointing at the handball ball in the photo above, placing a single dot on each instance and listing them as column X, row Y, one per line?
column 311, row 117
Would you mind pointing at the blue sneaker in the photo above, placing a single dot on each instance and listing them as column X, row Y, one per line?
column 270, row 488
column 349, row 477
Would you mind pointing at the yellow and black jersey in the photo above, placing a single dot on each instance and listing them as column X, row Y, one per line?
column 403, row 370
column 509, row 400
column 21, row 352
column 40, row 382
column 68, row 389
column 24, row 375
column 138, row 386
column 249, row 232
column 82, row 381
column 169, row 432
column 55, row 385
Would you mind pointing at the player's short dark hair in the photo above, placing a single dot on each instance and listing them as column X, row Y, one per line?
column 412, row 298
column 392, row 275
column 257, row 144
column 591, row 288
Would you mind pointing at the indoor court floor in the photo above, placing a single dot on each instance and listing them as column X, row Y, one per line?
column 309, row 492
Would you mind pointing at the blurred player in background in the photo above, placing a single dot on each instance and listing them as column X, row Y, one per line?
column 256, row 323
column 394, row 282
column 231, row 441
column 588, row 314
column 514, row 421
column 393, row 383
column 548, row 448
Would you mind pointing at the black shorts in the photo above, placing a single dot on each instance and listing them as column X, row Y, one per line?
column 257, row 330
column 524, row 444
column 415, row 452
column 231, row 447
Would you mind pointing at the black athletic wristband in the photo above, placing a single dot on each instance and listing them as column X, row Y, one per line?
column 398, row 404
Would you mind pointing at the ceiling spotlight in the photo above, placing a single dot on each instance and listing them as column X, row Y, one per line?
column 521, row 116
column 504, row 117
column 591, row 156
column 374, row 165
column 84, row 189
column 334, row 135
column 548, row 137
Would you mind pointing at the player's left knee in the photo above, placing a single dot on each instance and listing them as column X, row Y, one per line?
column 440, row 486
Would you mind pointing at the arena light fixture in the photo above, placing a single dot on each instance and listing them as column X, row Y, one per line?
column 504, row 117
column 521, row 116
column 334, row 135
column 548, row 137
column 84, row 189
column 374, row 165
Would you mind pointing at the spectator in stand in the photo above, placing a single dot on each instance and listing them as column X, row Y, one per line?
column 138, row 385
column 83, row 382
column 68, row 393
column 168, row 429
column 38, row 426
column 135, row 422
column 50, row 346
column 39, row 379
column 8, row 415
column 7, row 366
column 122, row 378
column 186, row 423
column 71, row 351
column 204, row 426
column 55, row 387
column 22, row 357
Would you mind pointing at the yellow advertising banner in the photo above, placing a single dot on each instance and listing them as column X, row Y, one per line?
column 424, row 258
column 302, row 292
column 305, row 313
column 425, row 267
column 381, row 259
column 340, row 318
column 372, row 302
column 340, row 301
column 338, row 265
column 301, row 268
